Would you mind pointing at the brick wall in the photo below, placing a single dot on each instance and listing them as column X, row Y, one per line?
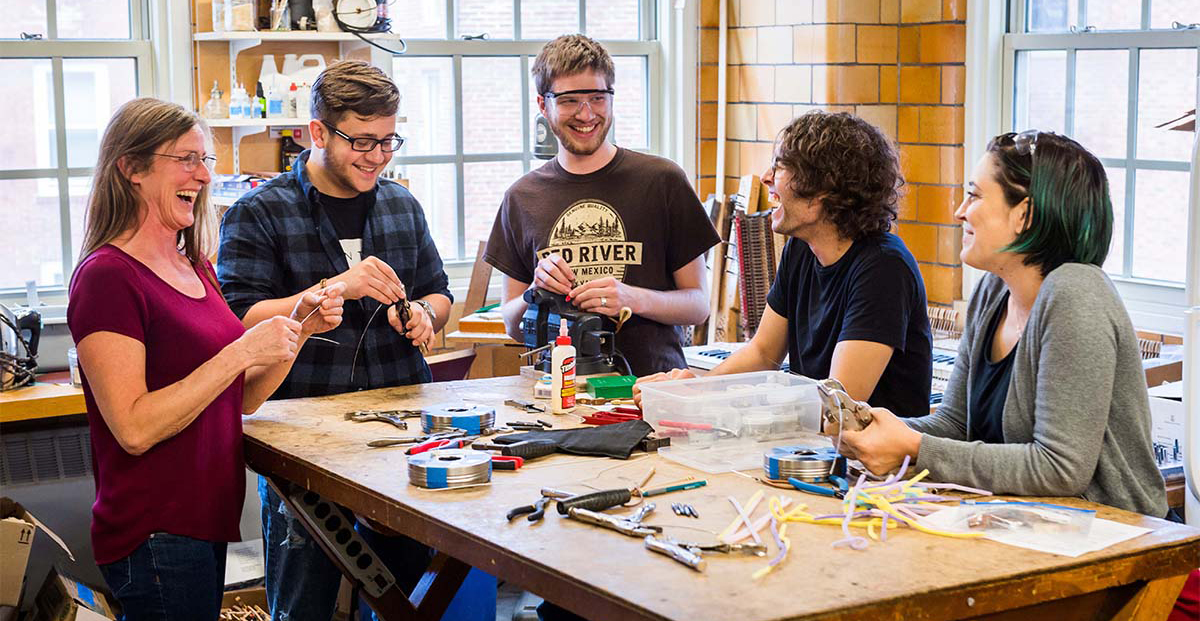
column 897, row 63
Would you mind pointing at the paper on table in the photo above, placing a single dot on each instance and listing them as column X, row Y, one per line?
column 1103, row 533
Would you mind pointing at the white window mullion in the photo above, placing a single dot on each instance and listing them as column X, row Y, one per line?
column 1130, row 163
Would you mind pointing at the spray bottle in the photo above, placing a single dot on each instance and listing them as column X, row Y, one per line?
column 562, row 372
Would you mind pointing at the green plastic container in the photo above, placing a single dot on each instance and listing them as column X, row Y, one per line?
column 612, row 387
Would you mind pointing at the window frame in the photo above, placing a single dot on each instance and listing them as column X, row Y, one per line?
column 994, row 39
column 139, row 48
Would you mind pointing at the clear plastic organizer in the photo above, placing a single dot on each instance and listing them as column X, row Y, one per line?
column 726, row 422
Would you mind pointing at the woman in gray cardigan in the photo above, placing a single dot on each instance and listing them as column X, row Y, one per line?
column 1047, row 396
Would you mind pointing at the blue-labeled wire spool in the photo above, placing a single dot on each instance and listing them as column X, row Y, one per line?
column 442, row 468
column 474, row 419
column 811, row 464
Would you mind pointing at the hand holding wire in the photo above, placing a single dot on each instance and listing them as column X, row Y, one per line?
column 884, row 445
column 320, row 311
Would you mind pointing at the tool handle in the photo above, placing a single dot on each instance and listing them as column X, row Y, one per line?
column 678, row 424
column 426, row 446
column 529, row 449
column 810, row 488
column 500, row 462
column 595, row 501
column 382, row 442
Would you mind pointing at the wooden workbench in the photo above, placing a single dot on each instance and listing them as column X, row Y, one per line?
column 605, row 575
column 41, row 400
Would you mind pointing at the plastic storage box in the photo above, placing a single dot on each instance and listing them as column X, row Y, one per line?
column 727, row 422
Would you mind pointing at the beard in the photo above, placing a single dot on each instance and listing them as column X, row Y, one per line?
column 342, row 172
column 577, row 147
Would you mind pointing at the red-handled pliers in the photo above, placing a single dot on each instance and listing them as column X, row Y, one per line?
column 439, row 444
column 507, row 462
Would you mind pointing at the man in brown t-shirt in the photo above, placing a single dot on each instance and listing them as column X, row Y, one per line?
column 607, row 227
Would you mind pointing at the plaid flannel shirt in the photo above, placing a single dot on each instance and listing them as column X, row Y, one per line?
column 276, row 241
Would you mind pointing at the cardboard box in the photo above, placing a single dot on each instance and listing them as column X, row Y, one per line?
column 17, row 528
column 64, row 599
column 1160, row 371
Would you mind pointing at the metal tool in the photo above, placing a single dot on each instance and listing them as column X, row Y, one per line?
column 529, row 406
column 397, row 440
column 839, row 492
column 393, row 417
column 757, row 549
column 839, row 411
column 439, row 444
column 624, row 526
column 590, row 333
column 536, row 510
column 529, row 449
column 684, row 510
column 596, row 501
column 443, row 468
column 689, row 557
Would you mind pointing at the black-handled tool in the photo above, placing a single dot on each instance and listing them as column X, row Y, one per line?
column 529, row 449
column 595, row 501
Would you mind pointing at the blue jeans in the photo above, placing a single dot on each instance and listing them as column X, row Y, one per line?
column 302, row 583
column 169, row 578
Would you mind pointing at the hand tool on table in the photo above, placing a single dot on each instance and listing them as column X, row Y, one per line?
column 393, row 417
column 686, row 556
column 520, row 425
column 596, row 501
column 625, row 526
column 688, row 426
column 529, row 449
column 528, row 406
column 673, row 488
column 537, row 510
column 429, row 445
column 839, row 491
column 840, row 411
column 684, row 510
column 397, row 440
column 616, row 415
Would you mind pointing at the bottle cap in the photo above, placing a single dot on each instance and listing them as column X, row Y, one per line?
column 563, row 337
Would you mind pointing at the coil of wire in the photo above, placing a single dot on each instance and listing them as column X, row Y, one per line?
column 474, row 419
column 442, row 468
column 807, row 463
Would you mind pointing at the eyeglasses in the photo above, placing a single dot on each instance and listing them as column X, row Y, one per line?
column 192, row 160
column 572, row 102
column 364, row 144
column 1025, row 143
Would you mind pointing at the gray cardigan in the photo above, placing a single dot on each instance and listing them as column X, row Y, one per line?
column 1076, row 419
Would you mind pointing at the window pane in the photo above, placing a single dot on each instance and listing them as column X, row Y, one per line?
column 1114, row 14
column 92, row 19
column 1166, row 90
column 93, row 88
column 484, row 187
column 613, row 19
column 491, row 104
column 434, row 187
column 546, row 19
column 1052, row 15
column 23, row 16
column 427, row 100
column 418, row 19
column 1115, row 263
column 630, row 103
column 1164, row 12
column 33, row 250
column 1102, row 100
column 475, row 17
column 1041, row 85
column 78, row 190
column 1160, row 225
column 28, row 135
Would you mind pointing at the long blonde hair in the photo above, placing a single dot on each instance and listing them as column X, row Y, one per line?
column 136, row 131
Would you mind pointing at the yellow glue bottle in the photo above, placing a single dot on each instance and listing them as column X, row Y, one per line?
column 562, row 372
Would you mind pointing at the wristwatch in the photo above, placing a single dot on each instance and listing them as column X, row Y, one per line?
column 428, row 309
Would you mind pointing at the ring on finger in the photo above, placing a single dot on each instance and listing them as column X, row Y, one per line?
column 603, row 301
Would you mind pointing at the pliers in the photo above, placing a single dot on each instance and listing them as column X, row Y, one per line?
column 429, row 445
column 839, row 492
column 839, row 411
column 442, row 435
column 537, row 510
column 394, row 417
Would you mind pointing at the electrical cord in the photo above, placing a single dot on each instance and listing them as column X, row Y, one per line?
column 382, row 24
column 20, row 368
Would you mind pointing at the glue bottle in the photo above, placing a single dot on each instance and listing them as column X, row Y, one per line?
column 562, row 371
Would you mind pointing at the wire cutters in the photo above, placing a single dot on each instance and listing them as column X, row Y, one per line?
column 443, row 435
column 809, row 488
column 507, row 462
column 429, row 445
column 536, row 510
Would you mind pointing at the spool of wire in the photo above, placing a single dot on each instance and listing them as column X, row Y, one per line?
column 442, row 468
column 474, row 419
column 811, row 464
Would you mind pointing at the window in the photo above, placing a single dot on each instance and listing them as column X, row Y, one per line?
column 469, row 102
column 1109, row 73
column 59, row 92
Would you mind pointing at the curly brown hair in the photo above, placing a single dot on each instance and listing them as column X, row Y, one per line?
column 849, row 164
column 353, row 86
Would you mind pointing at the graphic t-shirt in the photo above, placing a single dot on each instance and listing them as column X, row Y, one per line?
column 349, row 217
column 637, row 220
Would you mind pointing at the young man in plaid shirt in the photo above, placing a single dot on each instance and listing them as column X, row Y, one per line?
column 331, row 219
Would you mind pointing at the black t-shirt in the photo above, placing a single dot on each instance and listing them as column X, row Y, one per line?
column 349, row 218
column 637, row 219
column 873, row 293
column 989, row 387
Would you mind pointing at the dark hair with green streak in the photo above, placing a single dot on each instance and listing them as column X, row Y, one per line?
column 1070, row 215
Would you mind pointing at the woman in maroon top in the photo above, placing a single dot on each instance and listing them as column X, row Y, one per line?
column 168, row 369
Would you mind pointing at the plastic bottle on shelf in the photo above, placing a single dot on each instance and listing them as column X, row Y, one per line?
column 274, row 103
column 289, row 107
column 214, row 109
column 259, row 102
column 562, row 372
column 237, row 98
column 304, row 102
